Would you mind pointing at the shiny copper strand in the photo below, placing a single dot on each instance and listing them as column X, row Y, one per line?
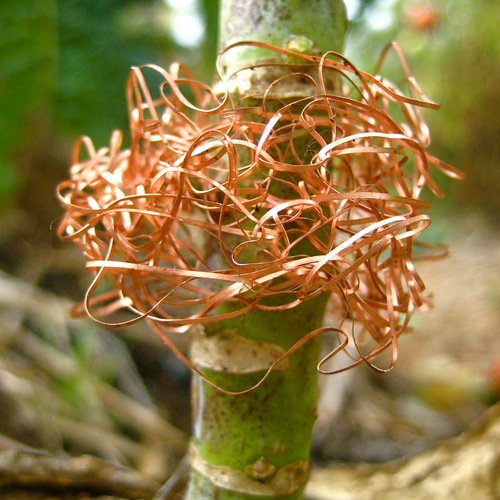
column 217, row 197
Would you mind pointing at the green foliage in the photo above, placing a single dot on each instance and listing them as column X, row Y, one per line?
column 97, row 49
column 28, row 45
column 64, row 68
column 99, row 42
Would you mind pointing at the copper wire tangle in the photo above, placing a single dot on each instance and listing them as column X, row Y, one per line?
column 257, row 201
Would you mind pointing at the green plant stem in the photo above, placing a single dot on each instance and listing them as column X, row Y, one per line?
column 281, row 23
column 257, row 445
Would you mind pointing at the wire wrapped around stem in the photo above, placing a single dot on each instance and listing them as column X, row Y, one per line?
column 224, row 197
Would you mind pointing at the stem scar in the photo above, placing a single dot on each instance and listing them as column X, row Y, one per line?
column 261, row 470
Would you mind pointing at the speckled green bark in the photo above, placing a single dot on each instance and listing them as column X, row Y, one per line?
column 279, row 22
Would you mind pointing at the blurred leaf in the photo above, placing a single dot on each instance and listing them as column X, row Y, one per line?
column 99, row 42
column 93, row 67
column 28, row 43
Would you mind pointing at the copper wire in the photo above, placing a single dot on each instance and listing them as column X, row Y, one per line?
column 217, row 197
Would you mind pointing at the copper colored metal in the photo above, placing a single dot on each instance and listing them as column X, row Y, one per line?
column 218, row 195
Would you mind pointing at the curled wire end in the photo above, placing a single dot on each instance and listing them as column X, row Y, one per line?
column 245, row 198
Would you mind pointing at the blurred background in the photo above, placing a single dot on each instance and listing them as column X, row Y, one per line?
column 67, row 386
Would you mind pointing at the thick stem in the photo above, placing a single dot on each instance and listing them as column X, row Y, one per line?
column 305, row 25
column 257, row 445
